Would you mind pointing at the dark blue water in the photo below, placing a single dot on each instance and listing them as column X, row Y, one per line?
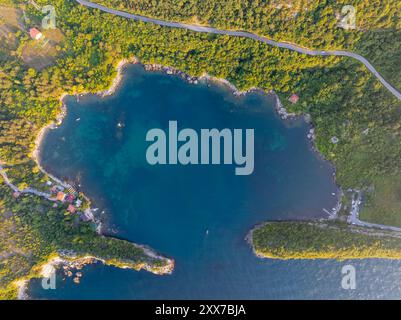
column 198, row 215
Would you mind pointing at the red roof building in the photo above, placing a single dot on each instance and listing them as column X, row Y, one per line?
column 35, row 33
column 70, row 198
column 294, row 98
column 61, row 196
column 71, row 208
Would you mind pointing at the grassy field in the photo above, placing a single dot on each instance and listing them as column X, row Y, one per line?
column 383, row 202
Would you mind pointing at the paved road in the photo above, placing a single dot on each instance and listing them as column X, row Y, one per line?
column 249, row 35
column 354, row 216
column 27, row 190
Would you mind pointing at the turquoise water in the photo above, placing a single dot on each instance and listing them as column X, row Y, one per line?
column 198, row 215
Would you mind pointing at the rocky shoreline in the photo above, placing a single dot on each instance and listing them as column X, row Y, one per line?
column 281, row 111
column 71, row 265
column 42, row 133
column 118, row 78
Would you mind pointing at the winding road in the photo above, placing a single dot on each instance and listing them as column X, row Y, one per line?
column 244, row 34
column 27, row 190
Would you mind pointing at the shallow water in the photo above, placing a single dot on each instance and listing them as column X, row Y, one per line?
column 198, row 215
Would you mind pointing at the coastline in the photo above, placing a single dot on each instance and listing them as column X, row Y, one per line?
column 118, row 78
column 42, row 133
column 69, row 260
column 22, row 287
column 280, row 109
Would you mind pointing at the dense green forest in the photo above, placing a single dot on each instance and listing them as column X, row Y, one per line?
column 324, row 240
column 308, row 22
column 342, row 97
column 312, row 23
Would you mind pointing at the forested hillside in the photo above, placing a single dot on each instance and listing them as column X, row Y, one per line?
column 311, row 23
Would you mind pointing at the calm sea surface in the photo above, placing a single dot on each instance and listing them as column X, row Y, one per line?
column 198, row 215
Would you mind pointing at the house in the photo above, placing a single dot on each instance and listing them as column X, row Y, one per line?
column 61, row 196
column 35, row 34
column 85, row 217
column 71, row 209
column 78, row 203
column 294, row 98
column 334, row 140
column 16, row 194
column 70, row 198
